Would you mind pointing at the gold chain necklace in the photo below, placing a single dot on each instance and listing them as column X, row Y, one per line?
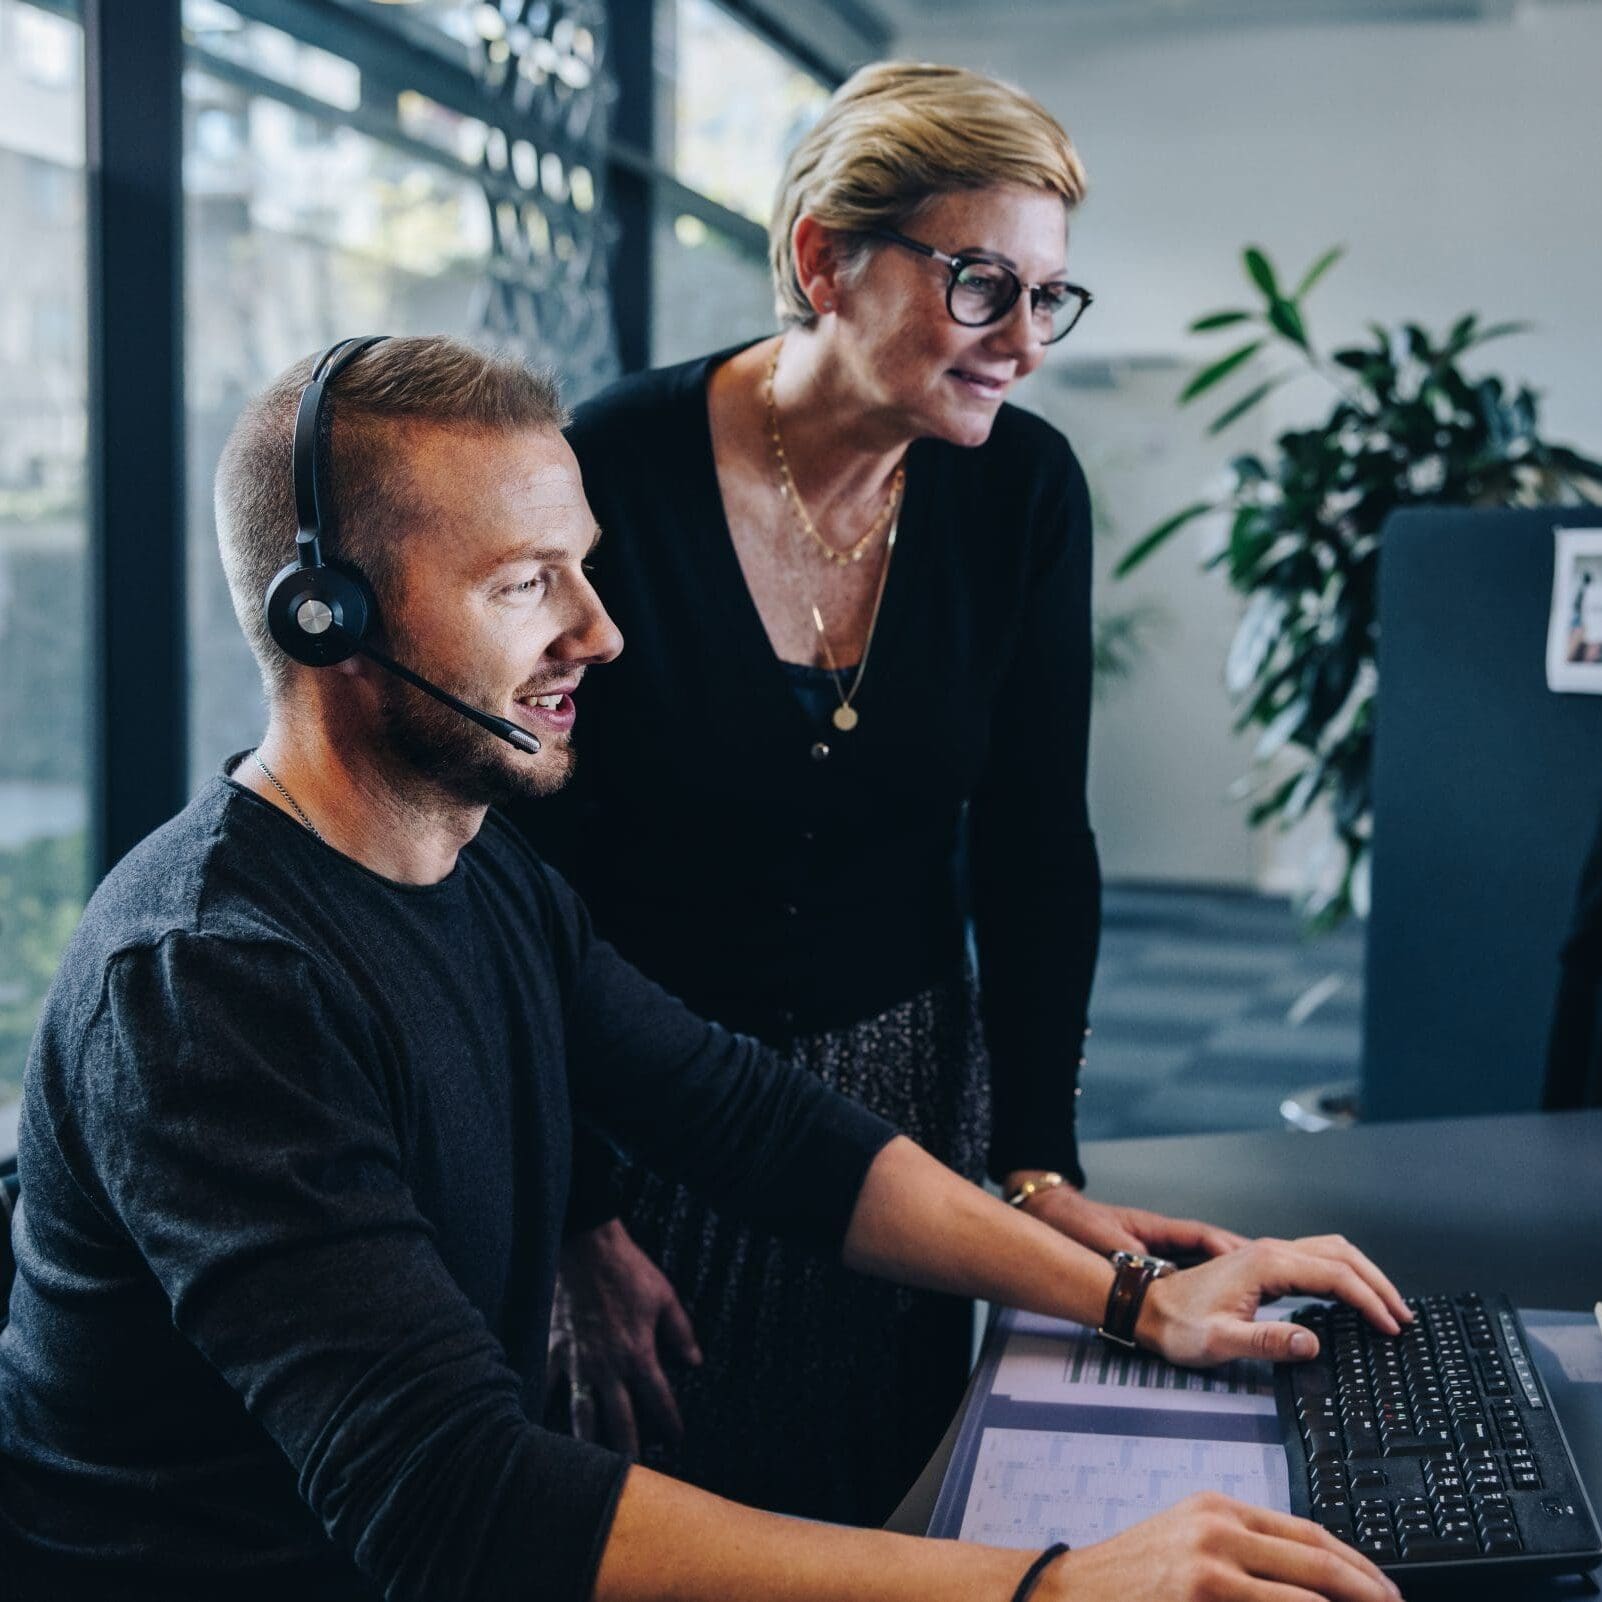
column 788, row 490
column 845, row 717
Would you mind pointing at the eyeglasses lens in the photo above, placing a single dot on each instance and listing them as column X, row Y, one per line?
column 984, row 292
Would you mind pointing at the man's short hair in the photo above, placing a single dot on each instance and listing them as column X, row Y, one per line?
column 427, row 379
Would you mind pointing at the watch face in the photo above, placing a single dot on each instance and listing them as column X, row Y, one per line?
column 1158, row 1265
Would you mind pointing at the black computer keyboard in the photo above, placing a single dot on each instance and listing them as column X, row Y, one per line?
column 1435, row 1451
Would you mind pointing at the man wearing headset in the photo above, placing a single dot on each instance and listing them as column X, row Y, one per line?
column 297, row 1120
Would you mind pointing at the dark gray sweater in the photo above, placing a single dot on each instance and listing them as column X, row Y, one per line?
column 295, row 1154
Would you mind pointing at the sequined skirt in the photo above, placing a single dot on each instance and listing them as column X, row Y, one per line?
column 824, row 1393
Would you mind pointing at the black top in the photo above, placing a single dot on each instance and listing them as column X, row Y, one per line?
column 295, row 1153
column 783, row 894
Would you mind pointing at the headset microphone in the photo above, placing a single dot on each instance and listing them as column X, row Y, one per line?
column 320, row 613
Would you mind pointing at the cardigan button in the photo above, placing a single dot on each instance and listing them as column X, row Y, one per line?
column 820, row 752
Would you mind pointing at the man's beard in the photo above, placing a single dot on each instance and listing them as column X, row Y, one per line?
column 451, row 753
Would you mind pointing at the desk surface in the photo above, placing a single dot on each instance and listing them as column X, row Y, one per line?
column 1508, row 1203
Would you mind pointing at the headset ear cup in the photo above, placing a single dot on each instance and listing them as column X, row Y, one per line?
column 326, row 631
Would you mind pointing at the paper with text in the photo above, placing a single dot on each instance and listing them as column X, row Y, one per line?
column 1033, row 1487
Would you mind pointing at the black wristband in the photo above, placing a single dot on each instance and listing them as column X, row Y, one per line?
column 1032, row 1574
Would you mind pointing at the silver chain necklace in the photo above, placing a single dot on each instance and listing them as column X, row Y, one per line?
column 294, row 805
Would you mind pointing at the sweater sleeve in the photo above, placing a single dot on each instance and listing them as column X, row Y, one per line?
column 715, row 1110
column 1036, row 881
column 253, row 1154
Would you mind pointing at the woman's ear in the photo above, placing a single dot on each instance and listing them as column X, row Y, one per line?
column 813, row 248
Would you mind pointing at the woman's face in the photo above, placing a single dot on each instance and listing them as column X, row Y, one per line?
column 902, row 347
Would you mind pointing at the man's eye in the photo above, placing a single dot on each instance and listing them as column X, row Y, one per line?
column 527, row 586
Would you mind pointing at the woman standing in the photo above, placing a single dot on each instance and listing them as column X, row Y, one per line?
column 851, row 717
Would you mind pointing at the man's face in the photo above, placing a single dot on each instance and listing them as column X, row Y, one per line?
column 492, row 602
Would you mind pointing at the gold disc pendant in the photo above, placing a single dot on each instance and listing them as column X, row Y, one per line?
column 845, row 718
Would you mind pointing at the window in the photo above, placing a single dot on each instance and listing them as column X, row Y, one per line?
column 44, row 685
column 740, row 108
column 736, row 107
column 708, row 290
column 306, row 221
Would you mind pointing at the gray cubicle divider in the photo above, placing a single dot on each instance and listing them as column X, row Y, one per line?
column 1486, row 793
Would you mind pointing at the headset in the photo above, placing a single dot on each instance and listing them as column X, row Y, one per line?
column 320, row 612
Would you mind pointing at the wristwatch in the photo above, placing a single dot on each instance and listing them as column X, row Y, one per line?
column 1132, row 1274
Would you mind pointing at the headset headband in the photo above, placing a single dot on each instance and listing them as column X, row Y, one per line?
column 308, row 429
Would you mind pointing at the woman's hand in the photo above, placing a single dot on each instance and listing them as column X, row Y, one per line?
column 1209, row 1548
column 625, row 1315
column 1104, row 1228
column 1206, row 1315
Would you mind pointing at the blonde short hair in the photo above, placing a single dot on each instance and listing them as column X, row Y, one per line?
column 894, row 136
column 428, row 379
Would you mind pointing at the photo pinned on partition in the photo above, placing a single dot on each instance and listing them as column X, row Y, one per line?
column 1574, row 630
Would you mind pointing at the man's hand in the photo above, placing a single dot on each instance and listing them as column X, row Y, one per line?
column 1207, row 1315
column 625, row 1316
column 1104, row 1228
column 1209, row 1548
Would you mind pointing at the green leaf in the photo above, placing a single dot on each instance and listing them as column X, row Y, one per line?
column 1318, row 269
column 1149, row 542
column 1462, row 333
column 1219, row 370
column 1250, row 399
column 1262, row 274
column 1288, row 321
column 1223, row 319
column 1273, row 802
column 1498, row 331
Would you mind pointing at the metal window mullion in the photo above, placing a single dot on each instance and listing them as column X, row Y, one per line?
column 133, row 157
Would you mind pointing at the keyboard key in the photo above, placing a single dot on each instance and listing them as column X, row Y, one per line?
column 1425, row 1549
column 1323, row 1446
column 1403, row 1445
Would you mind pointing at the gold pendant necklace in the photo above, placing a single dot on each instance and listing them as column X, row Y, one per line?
column 845, row 717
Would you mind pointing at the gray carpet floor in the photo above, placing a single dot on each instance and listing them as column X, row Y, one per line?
column 1209, row 1009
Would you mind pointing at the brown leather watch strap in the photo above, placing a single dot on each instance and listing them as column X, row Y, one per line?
column 1132, row 1275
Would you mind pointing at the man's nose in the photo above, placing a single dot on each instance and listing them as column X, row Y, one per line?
column 592, row 637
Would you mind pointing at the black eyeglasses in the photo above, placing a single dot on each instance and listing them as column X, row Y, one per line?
column 980, row 291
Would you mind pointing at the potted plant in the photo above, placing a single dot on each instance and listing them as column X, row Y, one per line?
column 1302, row 535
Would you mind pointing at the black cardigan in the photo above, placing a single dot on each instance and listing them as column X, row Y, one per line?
column 782, row 893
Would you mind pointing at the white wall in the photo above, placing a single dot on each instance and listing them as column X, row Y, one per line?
column 1459, row 162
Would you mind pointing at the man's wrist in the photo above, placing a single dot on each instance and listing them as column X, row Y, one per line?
column 1152, row 1322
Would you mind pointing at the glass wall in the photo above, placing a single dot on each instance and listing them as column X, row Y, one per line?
column 319, row 204
column 44, row 677
column 740, row 108
column 325, row 195
column 736, row 108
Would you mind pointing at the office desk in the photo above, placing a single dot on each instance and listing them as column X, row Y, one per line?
column 1498, row 1203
